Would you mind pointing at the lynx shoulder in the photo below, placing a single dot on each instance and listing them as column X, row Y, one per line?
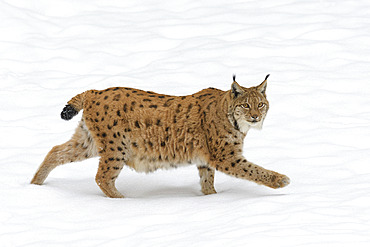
column 148, row 131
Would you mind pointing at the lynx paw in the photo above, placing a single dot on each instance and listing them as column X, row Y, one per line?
column 209, row 191
column 280, row 181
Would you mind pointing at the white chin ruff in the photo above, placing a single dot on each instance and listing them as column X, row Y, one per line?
column 244, row 126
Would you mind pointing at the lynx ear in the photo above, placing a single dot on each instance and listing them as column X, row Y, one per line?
column 262, row 87
column 236, row 89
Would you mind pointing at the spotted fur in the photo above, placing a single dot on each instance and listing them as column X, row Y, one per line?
column 147, row 131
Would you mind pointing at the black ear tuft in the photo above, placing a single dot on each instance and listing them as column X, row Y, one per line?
column 234, row 77
column 267, row 77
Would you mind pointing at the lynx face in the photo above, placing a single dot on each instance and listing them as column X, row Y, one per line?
column 250, row 106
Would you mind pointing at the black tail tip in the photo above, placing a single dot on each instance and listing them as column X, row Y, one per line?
column 68, row 112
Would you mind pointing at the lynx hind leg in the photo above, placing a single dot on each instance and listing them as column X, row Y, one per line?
column 207, row 176
column 109, row 169
column 80, row 147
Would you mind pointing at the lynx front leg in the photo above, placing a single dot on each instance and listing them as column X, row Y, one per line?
column 207, row 176
column 241, row 168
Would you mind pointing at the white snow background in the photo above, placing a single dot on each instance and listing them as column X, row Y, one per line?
column 316, row 132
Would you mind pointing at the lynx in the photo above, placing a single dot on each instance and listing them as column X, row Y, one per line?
column 147, row 131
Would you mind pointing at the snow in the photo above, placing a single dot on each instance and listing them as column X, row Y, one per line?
column 316, row 132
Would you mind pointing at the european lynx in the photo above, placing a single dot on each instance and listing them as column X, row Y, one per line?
column 147, row 131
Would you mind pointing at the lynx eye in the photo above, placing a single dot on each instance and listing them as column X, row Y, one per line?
column 246, row 106
column 261, row 105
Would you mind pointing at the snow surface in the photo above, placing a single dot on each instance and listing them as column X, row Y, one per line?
column 317, row 130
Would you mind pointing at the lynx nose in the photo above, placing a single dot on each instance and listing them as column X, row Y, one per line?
column 255, row 117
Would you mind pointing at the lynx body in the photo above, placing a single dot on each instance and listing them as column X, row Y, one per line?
column 147, row 131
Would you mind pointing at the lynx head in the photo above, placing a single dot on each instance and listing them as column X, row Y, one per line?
column 248, row 106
